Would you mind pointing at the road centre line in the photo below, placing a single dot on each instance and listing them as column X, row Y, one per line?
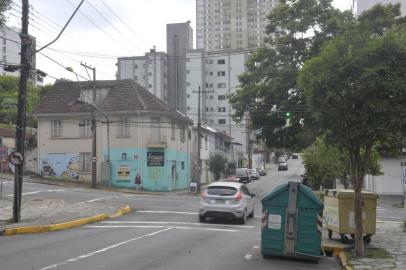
column 84, row 256
column 176, row 222
column 157, row 227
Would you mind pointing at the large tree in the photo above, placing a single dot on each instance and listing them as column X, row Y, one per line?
column 4, row 6
column 357, row 91
column 9, row 98
column 296, row 30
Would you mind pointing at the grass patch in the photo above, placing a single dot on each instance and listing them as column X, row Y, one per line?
column 371, row 253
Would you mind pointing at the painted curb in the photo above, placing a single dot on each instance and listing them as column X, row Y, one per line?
column 54, row 227
column 65, row 225
column 125, row 210
column 344, row 261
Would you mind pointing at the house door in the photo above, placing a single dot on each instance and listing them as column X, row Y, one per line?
column 174, row 175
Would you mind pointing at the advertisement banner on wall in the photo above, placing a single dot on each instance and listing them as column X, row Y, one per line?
column 155, row 159
column 123, row 173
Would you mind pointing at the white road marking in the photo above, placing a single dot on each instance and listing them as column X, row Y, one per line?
column 248, row 256
column 176, row 222
column 38, row 191
column 138, row 195
column 157, row 227
column 167, row 212
column 388, row 221
column 98, row 199
column 84, row 256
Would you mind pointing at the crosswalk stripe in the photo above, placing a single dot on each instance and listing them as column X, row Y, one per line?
column 158, row 227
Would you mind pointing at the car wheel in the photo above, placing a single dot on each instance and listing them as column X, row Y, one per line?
column 243, row 219
column 202, row 218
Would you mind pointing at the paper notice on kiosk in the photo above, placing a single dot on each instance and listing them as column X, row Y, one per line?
column 274, row 221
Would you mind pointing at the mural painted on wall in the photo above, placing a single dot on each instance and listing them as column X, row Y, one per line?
column 60, row 165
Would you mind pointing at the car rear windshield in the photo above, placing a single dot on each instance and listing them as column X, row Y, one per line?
column 221, row 191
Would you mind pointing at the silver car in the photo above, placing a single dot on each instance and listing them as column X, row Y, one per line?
column 227, row 200
column 254, row 174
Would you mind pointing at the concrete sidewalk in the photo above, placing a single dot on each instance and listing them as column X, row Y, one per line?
column 392, row 238
column 38, row 211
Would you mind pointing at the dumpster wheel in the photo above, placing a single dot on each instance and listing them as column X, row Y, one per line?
column 344, row 238
column 367, row 238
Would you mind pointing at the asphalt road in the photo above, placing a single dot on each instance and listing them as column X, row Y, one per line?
column 163, row 233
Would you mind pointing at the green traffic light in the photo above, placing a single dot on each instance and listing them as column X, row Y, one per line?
column 287, row 114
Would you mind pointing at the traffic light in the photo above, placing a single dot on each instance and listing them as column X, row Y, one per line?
column 287, row 114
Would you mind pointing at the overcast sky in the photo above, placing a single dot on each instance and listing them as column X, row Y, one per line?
column 97, row 37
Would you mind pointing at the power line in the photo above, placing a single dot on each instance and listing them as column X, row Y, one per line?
column 123, row 22
column 61, row 65
column 95, row 24
column 115, row 28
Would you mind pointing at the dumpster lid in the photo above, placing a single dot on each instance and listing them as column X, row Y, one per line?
column 347, row 193
column 302, row 188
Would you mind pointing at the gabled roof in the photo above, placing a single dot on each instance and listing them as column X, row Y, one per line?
column 122, row 96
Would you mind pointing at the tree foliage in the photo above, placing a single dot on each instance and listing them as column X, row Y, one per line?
column 9, row 99
column 4, row 6
column 217, row 165
column 357, row 90
column 269, row 87
column 325, row 162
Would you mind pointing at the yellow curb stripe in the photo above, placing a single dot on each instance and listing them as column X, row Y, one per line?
column 122, row 211
column 55, row 227
column 344, row 262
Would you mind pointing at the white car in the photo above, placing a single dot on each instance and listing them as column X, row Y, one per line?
column 227, row 200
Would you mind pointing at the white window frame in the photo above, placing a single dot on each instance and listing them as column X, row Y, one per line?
column 85, row 162
column 123, row 127
column 56, row 128
column 85, row 128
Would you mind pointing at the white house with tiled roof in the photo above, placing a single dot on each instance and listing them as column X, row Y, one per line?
column 150, row 145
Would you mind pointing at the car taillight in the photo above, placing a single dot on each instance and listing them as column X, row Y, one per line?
column 238, row 197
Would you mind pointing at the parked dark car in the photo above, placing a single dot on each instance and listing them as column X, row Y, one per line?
column 243, row 174
column 295, row 156
column 261, row 171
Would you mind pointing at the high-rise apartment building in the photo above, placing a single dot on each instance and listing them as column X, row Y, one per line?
column 179, row 40
column 149, row 71
column 363, row 5
column 231, row 24
column 11, row 48
column 216, row 73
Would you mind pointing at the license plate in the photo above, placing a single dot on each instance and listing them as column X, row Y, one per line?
column 220, row 201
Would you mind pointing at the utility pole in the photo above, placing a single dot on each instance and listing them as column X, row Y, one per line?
column 249, row 144
column 94, row 129
column 20, row 127
column 199, row 137
column 199, row 144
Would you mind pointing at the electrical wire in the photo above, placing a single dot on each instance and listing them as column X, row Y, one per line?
column 115, row 28
column 123, row 22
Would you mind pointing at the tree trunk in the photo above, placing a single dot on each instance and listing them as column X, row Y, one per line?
column 358, row 179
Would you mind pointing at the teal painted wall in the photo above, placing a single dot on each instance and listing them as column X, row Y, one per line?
column 127, row 163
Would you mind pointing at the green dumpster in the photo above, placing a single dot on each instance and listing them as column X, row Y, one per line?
column 291, row 222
